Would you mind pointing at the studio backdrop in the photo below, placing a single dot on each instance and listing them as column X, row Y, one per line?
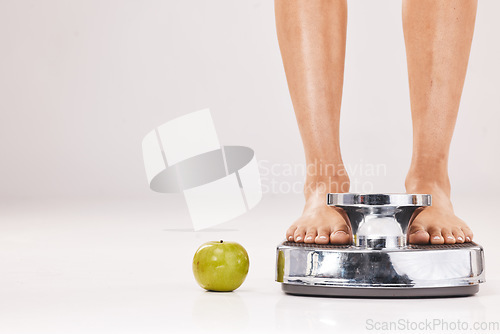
column 82, row 82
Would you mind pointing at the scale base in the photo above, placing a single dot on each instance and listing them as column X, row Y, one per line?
column 328, row 291
column 347, row 270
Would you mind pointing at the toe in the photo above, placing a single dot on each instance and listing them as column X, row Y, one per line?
column 290, row 232
column 340, row 235
column 323, row 237
column 299, row 234
column 468, row 234
column 459, row 235
column 310, row 236
column 419, row 236
column 436, row 236
column 448, row 236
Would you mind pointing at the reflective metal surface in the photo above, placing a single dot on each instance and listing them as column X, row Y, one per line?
column 429, row 266
column 350, row 199
column 379, row 220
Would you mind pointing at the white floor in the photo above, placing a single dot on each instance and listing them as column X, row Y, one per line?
column 125, row 267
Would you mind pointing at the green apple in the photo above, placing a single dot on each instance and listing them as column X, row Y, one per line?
column 220, row 265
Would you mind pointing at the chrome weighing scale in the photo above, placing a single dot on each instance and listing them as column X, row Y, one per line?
column 380, row 263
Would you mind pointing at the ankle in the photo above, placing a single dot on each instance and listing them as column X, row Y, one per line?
column 427, row 182
column 319, row 186
column 325, row 176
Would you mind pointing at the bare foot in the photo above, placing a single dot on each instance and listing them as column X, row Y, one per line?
column 320, row 223
column 436, row 224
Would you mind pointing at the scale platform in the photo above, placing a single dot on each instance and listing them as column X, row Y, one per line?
column 380, row 263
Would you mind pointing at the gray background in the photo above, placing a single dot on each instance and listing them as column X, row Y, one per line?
column 81, row 83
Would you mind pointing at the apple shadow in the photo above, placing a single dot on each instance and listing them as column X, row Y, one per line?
column 220, row 312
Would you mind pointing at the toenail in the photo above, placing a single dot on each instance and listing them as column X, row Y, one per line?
column 299, row 238
column 290, row 238
column 436, row 237
column 340, row 232
column 309, row 238
column 323, row 237
column 460, row 238
column 468, row 239
column 449, row 237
